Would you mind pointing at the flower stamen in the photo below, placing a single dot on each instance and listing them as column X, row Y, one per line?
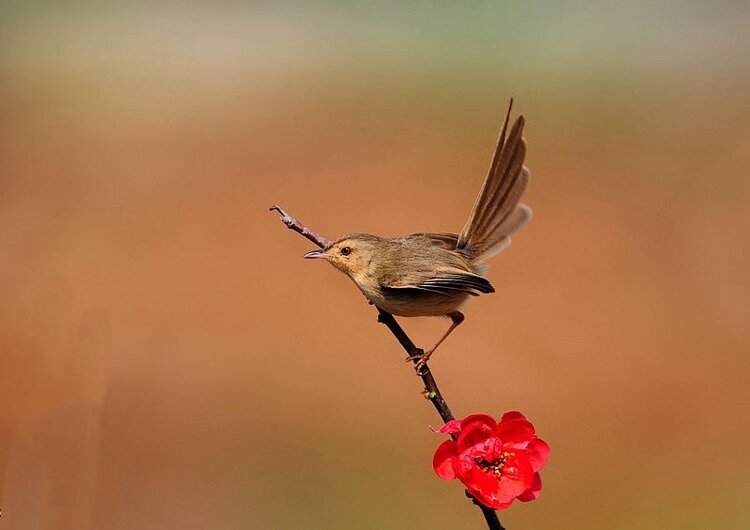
column 495, row 466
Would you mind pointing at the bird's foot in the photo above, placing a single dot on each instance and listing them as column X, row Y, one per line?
column 418, row 354
column 419, row 359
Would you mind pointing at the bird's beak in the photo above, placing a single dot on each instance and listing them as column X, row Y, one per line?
column 315, row 254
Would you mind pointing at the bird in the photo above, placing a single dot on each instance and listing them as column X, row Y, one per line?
column 434, row 274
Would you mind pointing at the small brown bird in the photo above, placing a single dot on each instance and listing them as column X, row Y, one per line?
column 433, row 274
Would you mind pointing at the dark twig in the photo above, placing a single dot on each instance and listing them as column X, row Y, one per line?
column 431, row 390
column 298, row 227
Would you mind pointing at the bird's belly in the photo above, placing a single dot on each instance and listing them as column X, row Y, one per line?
column 420, row 304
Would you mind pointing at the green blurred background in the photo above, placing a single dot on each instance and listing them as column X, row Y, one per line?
column 170, row 361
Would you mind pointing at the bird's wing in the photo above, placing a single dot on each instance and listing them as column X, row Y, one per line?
column 443, row 240
column 444, row 280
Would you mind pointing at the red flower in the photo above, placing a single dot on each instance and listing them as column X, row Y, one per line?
column 497, row 462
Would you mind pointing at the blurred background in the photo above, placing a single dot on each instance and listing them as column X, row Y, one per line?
column 168, row 360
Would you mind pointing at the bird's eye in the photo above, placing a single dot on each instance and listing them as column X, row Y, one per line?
column 345, row 251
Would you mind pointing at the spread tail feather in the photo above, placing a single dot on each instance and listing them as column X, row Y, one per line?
column 497, row 213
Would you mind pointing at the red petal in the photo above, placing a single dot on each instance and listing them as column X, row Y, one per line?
column 451, row 427
column 534, row 491
column 482, row 485
column 516, row 432
column 492, row 492
column 442, row 462
column 538, row 452
column 481, row 418
column 512, row 415
column 473, row 434
column 517, row 477
column 492, row 503
column 464, row 466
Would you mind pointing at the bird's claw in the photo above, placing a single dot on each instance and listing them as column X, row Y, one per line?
column 416, row 356
column 421, row 366
column 419, row 358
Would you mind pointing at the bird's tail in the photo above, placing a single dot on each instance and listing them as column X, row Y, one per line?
column 497, row 213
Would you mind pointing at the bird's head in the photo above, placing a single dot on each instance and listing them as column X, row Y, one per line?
column 352, row 254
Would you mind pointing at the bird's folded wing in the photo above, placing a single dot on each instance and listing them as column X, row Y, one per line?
column 447, row 281
column 444, row 240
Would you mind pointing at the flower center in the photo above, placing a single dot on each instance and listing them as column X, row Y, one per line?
column 495, row 466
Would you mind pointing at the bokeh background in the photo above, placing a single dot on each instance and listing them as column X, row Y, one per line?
column 168, row 360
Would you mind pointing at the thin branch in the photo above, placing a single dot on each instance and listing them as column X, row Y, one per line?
column 298, row 227
column 431, row 389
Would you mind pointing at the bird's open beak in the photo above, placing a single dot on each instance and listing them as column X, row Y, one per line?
column 315, row 254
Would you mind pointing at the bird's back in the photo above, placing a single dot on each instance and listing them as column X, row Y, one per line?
column 421, row 275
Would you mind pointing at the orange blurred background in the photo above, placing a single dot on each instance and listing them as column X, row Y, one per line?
column 170, row 361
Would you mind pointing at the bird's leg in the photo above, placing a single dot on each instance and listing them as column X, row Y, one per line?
column 456, row 318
